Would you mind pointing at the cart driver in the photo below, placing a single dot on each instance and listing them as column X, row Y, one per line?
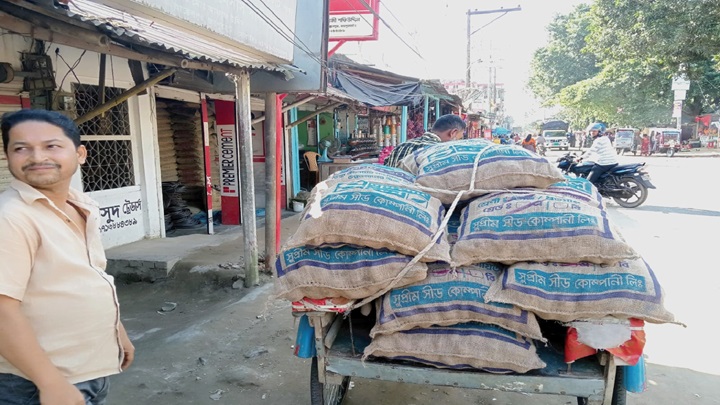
column 449, row 127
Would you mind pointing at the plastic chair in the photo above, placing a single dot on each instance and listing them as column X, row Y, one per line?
column 311, row 161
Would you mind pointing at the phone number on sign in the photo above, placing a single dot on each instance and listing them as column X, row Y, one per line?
column 118, row 225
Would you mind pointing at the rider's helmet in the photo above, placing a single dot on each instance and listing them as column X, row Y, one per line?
column 595, row 129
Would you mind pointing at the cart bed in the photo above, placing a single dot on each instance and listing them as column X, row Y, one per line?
column 586, row 379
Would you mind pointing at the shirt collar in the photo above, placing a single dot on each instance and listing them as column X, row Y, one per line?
column 431, row 135
column 30, row 194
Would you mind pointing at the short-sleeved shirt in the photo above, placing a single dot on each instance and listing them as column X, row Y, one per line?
column 59, row 277
column 406, row 148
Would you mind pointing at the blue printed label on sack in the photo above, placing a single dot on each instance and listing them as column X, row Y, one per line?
column 572, row 283
column 336, row 259
column 416, row 197
column 378, row 203
column 533, row 222
column 440, row 293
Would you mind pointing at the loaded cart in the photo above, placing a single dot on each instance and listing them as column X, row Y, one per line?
column 448, row 273
column 335, row 342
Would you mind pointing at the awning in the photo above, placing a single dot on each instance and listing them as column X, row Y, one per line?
column 376, row 94
column 124, row 27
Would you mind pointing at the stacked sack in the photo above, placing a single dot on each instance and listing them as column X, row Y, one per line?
column 358, row 235
column 528, row 242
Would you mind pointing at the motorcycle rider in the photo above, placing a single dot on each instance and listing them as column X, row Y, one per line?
column 540, row 144
column 601, row 153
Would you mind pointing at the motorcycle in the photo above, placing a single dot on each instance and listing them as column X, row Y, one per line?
column 541, row 149
column 626, row 184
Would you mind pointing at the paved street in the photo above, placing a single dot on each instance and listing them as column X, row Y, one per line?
column 238, row 342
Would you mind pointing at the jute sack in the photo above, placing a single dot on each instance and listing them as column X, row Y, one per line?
column 449, row 166
column 373, row 172
column 448, row 297
column 374, row 215
column 578, row 188
column 347, row 271
column 517, row 227
column 568, row 292
column 469, row 345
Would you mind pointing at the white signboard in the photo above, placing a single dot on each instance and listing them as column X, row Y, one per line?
column 680, row 83
column 677, row 109
column 351, row 25
column 227, row 148
column 121, row 215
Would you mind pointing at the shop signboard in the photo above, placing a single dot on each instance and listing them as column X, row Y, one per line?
column 228, row 161
column 354, row 20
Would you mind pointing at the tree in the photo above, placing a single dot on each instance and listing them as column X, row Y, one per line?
column 667, row 33
column 563, row 62
column 620, row 57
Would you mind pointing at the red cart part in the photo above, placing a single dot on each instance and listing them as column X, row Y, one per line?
column 338, row 305
column 629, row 352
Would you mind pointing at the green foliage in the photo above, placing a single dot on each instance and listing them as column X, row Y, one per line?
column 614, row 61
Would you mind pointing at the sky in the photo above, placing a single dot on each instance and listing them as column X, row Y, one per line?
column 438, row 30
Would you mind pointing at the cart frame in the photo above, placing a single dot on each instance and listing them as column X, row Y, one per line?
column 599, row 382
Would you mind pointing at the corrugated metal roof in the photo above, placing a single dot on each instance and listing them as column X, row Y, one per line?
column 157, row 35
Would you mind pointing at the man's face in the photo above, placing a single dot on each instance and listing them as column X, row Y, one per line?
column 594, row 133
column 41, row 155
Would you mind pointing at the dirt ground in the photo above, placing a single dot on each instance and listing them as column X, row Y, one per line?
column 234, row 346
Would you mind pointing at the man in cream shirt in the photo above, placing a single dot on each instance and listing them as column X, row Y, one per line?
column 60, row 330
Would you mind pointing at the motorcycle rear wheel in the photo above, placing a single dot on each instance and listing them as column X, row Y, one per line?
column 638, row 190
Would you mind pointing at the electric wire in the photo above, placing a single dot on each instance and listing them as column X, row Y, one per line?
column 278, row 30
column 367, row 6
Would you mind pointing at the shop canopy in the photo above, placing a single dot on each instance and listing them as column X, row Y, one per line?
column 500, row 131
column 377, row 94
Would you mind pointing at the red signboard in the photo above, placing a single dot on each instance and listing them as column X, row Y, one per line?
column 351, row 20
column 227, row 151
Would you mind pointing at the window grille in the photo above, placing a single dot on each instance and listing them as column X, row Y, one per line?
column 107, row 138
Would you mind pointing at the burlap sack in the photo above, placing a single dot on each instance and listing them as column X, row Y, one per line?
column 517, row 227
column 568, row 292
column 378, row 216
column 374, row 173
column 449, row 166
column 578, row 188
column 347, row 271
column 469, row 345
column 448, row 297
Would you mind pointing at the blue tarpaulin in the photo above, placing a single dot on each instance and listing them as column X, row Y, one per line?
column 500, row 131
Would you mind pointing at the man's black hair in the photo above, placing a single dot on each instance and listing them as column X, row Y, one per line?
column 448, row 122
column 10, row 120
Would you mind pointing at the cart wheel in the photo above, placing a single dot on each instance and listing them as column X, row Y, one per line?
column 619, row 392
column 326, row 394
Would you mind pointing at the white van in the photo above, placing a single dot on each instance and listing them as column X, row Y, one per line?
column 556, row 139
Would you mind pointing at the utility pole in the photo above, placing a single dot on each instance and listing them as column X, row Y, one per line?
column 471, row 13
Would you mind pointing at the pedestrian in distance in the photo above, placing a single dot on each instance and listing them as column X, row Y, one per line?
column 448, row 127
column 60, row 330
column 529, row 143
column 645, row 146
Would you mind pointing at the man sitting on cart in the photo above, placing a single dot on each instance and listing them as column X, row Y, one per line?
column 447, row 128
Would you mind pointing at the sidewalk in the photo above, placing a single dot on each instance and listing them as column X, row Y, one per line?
column 215, row 257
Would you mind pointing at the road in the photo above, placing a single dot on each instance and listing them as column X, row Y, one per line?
column 238, row 343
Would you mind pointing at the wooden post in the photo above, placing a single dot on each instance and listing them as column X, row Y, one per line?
column 270, row 178
column 247, row 181
column 133, row 91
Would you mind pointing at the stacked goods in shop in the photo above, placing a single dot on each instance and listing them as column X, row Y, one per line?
column 358, row 235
